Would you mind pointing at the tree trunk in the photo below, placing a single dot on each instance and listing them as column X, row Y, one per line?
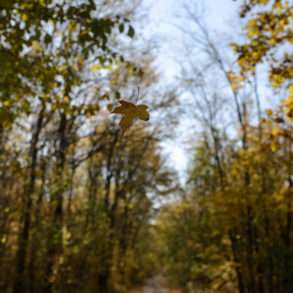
column 23, row 238
column 55, row 244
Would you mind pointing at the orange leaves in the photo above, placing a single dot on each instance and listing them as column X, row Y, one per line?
column 130, row 112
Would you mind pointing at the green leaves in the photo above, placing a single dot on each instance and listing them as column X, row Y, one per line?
column 130, row 112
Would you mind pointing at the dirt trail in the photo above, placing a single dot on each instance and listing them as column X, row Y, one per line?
column 154, row 285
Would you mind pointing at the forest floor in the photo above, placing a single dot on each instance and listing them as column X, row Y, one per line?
column 155, row 285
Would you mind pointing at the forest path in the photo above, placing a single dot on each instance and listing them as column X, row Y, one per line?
column 155, row 285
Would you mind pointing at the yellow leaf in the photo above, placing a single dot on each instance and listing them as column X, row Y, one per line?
column 72, row 26
column 269, row 112
column 131, row 112
column 126, row 122
column 24, row 17
column 142, row 112
column 263, row 2
column 274, row 146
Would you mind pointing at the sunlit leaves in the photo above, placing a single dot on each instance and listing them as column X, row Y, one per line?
column 288, row 104
column 269, row 33
column 97, row 67
column 267, row 30
column 236, row 81
column 130, row 112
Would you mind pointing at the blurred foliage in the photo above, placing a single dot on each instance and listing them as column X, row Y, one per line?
column 90, row 203
column 233, row 229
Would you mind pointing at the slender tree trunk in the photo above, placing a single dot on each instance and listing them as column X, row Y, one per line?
column 34, row 241
column 55, row 244
column 235, row 253
column 105, row 274
column 23, row 238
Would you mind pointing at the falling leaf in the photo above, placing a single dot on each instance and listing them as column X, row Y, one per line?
column 130, row 112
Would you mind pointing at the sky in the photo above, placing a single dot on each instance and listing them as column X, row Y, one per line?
column 220, row 15
column 218, row 12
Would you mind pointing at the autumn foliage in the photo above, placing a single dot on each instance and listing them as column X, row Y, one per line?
column 89, row 199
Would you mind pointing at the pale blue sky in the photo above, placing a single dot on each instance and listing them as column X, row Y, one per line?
column 218, row 12
column 221, row 17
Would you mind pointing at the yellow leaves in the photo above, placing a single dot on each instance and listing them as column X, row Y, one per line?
column 79, row 64
column 274, row 146
column 24, row 17
column 276, row 131
column 279, row 131
column 282, row 196
column 273, row 41
column 266, row 30
column 262, row 2
column 278, row 5
column 277, row 79
column 244, row 65
column 223, row 274
column 269, row 112
column 252, row 28
column 36, row 46
column 72, row 26
column 288, row 104
column 131, row 112
column 97, row 67
column 3, row 239
column 235, row 81
column 66, row 235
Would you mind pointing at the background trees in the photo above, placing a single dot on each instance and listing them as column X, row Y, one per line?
column 232, row 231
